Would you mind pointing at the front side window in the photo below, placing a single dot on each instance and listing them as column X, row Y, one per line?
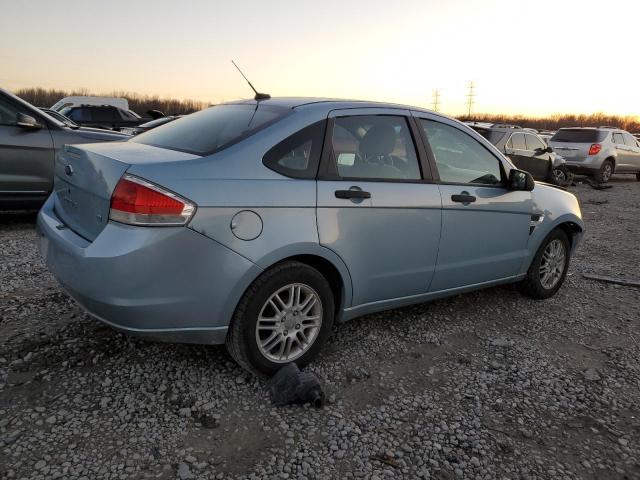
column 459, row 157
column 298, row 155
column 8, row 113
column 630, row 140
column 534, row 143
column 213, row 129
column 374, row 147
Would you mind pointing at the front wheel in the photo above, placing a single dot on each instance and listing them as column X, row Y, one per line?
column 561, row 175
column 549, row 267
column 284, row 316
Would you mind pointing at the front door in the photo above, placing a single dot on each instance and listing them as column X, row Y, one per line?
column 26, row 158
column 485, row 227
column 539, row 158
column 376, row 207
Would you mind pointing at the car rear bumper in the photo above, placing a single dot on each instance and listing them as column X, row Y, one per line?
column 582, row 169
column 171, row 284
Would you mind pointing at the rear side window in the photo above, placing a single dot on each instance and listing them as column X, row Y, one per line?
column 517, row 141
column 377, row 147
column 459, row 157
column 107, row 114
column 618, row 138
column 213, row 129
column 298, row 155
column 578, row 135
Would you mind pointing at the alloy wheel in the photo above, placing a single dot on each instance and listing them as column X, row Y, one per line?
column 552, row 264
column 289, row 322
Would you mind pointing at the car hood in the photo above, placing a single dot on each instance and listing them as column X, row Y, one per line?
column 99, row 134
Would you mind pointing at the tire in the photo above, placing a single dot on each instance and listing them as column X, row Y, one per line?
column 604, row 174
column 561, row 176
column 244, row 340
column 532, row 285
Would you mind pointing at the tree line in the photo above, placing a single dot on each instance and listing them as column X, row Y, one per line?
column 554, row 122
column 46, row 97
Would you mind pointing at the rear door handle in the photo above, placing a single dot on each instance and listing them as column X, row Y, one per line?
column 463, row 198
column 352, row 194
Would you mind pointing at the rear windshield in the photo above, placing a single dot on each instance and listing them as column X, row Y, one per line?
column 578, row 135
column 213, row 129
column 493, row 136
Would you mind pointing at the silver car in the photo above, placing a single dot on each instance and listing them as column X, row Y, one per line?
column 260, row 223
column 29, row 140
column 599, row 152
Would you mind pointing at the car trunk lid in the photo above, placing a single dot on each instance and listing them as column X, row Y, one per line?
column 86, row 175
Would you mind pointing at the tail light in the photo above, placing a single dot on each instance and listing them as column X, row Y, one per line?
column 595, row 149
column 138, row 202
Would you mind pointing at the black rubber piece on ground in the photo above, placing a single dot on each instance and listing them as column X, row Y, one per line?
column 290, row 385
column 241, row 339
column 531, row 285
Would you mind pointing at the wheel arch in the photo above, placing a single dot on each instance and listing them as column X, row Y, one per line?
column 327, row 262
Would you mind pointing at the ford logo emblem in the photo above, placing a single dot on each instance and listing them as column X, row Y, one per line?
column 68, row 169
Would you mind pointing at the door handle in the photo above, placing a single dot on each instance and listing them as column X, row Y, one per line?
column 463, row 198
column 352, row 194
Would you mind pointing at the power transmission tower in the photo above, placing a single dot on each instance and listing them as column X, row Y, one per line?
column 470, row 98
column 435, row 100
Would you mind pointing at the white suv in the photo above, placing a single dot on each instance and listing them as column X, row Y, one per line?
column 599, row 152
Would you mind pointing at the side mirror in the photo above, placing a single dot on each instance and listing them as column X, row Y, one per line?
column 521, row 180
column 27, row 122
column 549, row 149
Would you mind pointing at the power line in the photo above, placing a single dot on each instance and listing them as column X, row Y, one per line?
column 435, row 100
column 470, row 98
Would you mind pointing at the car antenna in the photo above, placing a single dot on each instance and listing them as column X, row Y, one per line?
column 259, row 96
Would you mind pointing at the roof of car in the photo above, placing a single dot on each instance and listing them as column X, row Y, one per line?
column 296, row 102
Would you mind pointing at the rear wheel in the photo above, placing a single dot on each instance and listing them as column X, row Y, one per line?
column 285, row 316
column 549, row 267
column 604, row 174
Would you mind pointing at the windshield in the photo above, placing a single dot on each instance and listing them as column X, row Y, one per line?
column 213, row 129
column 578, row 135
column 493, row 136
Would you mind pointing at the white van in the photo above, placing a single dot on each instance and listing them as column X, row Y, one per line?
column 78, row 100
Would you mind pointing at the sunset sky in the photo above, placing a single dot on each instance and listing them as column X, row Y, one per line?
column 532, row 58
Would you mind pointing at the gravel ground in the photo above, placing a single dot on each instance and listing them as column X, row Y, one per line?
column 483, row 385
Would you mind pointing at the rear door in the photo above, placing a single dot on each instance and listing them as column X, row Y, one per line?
column 26, row 157
column 634, row 152
column 377, row 206
column 485, row 226
column 623, row 153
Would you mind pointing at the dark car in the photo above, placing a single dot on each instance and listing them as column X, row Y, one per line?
column 527, row 150
column 103, row 116
column 29, row 141
column 149, row 125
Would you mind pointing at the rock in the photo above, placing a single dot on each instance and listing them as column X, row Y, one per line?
column 591, row 374
column 184, row 473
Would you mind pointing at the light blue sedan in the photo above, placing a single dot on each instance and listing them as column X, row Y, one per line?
column 260, row 223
